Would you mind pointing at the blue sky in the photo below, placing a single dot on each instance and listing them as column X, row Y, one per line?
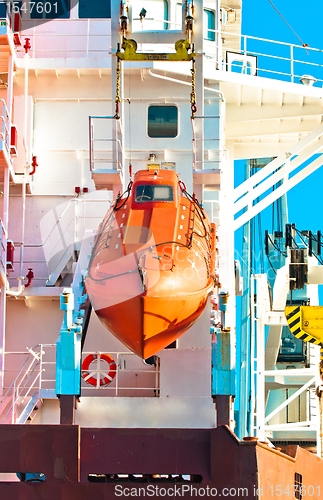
column 260, row 19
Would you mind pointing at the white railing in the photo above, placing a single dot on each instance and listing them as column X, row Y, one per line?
column 25, row 384
column 272, row 59
column 76, row 38
column 105, row 152
column 5, row 130
column 302, row 158
column 61, row 232
column 209, row 144
column 91, row 38
column 36, row 380
column 132, row 376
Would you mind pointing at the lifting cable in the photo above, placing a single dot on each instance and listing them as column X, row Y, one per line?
column 287, row 23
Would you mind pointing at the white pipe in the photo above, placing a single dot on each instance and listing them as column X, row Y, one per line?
column 5, row 221
column 10, row 88
column 26, row 60
column 260, row 352
column 218, row 39
column 3, row 302
column 21, row 277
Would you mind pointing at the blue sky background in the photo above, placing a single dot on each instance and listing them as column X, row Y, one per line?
column 260, row 19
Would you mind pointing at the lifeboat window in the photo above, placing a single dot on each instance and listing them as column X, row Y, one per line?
column 147, row 192
column 162, row 121
column 51, row 9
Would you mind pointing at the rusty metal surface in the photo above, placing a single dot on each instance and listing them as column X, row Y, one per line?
column 50, row 449
column 148, row 451
column 233, row 463
column 67, row 406
column 278, row 471
column 68, row 454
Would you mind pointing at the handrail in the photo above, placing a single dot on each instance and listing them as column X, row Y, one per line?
column 244, row 42
column 248, row 47
column 211, row 163
column 116, row 143
column 31, row 381
column 5, row 129
column 84, row 51
column 18, row 391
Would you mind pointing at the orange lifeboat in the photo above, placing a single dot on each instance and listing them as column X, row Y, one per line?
column 152, row 264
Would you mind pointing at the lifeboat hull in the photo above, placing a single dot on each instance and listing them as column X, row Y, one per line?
column 148, row 324
column 152, row 266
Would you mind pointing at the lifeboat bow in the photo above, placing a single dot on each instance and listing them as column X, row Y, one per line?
column 152, row 264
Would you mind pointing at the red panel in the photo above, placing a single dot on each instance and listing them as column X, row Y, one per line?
column 17, row 23
column 216, row 454
column 50, row 449
column 13, row 140
column 146, row 451
column 10, row 255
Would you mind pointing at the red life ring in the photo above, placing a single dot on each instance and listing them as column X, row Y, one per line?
column 108, row 375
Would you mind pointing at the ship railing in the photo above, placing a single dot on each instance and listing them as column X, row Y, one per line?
column 270, row 59
column 241, row 53
column 61, row 234
column 61, row 38
column 104, row 150
column 206, row 151
column 132, row 377
column 5, row 131
column 35, row 381
column 23, row 388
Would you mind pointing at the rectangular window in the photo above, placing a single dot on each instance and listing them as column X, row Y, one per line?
column 47, row 9
column 95, row 9
column 162, row 121
column 298, row 484
column 209, row 25
column 147, row 192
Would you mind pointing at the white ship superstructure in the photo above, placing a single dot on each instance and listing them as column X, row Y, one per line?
column 191, row 94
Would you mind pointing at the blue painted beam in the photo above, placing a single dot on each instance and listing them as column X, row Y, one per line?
column 68, row 348
column 223, row 374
